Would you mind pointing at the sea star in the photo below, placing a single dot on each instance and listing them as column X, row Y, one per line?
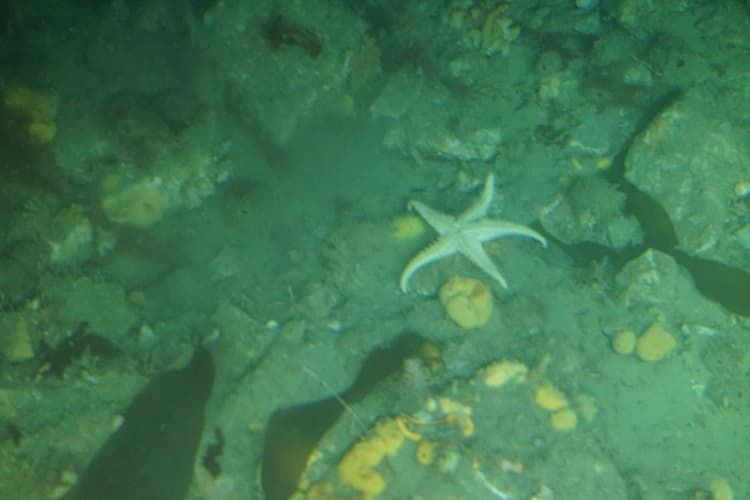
column 465, row 234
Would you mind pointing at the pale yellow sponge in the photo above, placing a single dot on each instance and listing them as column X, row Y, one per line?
column 15, row 343
column 406, row 227
column 140, row 204
column 720, row 489
column 31, row 114
column 550, row 398
column 501, row 372
column 624, row 342
column 467, row 301
column 357, row 467
column 655, row 343
column 564, row 419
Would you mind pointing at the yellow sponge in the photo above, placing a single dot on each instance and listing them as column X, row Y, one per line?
column 30, row 115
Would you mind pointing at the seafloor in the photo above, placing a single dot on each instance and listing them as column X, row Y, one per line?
column 204, row 213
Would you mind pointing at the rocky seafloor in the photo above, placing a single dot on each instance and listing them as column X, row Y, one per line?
column 205, row 213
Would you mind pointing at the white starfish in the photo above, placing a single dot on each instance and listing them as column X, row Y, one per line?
column 465, row 234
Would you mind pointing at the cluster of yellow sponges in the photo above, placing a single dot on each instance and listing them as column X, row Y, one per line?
column 562, row 417
column 357, row 468
column 654, row 344
column 360, row 472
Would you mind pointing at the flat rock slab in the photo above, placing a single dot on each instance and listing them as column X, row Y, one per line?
column 690, row 159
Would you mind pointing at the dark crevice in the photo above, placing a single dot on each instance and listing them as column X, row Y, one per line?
column 54, row 361
column 294, row 433
column 200, row 7
column 11, row 433
column 151, row 456
column 658, row 230
column 720, row 283
column 280, row 33
column 726, row 285
column 210, row 460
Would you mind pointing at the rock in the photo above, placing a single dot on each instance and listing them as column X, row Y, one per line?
column 654, row 284
column 591, row 210
column 601, row 133
column 70, row 237
column 103, row 306
column 689, row 159
column 653, row 277
column 307, row 54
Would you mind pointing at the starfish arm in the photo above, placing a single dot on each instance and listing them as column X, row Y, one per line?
column 474, row 251
column 488, row 229
column 479, row 208
column 441, row 248
column 440, row 222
